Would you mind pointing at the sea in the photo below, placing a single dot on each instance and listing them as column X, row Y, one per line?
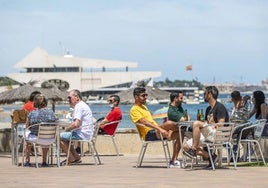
column 102, row 110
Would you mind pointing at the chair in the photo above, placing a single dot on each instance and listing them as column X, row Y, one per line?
column 255, row 140
column 222, row 140
column 91, row 145
column 145, row 144
column 18, row 118
column 111, row 128
column 46, row 136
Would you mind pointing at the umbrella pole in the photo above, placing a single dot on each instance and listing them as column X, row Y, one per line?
column 53, row 105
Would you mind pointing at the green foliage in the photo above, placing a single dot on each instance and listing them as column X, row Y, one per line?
column 5, row 81
column 179, row 83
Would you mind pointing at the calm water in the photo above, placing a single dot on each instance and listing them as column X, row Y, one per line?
column 101, row 110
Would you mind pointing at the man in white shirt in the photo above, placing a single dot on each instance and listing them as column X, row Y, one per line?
column 82, row 125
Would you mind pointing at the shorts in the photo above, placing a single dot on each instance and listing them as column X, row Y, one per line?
column 207, row 134
column 66, row 136
column 151, row 136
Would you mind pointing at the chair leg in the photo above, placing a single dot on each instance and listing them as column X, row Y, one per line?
column 234, row 159
column 141, row 155
column 35, row 155
column 95, row 153
column 166, row 151
column 116, row 149
column 210, row 156
column 259, row 147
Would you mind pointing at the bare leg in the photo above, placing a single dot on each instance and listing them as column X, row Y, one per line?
column 173, row 135
column 27, row 152
column 44, row 155
column 73, row 154
column 197, row 125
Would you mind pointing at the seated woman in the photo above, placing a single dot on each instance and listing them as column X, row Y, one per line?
column 40, row 114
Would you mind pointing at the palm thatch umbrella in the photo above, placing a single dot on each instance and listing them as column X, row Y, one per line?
column 126, row 97
column 23, row 92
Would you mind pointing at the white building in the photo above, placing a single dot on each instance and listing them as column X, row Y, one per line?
column 69, row 72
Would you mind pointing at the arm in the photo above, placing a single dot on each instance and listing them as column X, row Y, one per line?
column 151, row 125
column 74, row 125
column 263, row 111
column 104, row 121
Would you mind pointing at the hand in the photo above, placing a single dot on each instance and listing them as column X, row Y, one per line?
column 164, row 132
column 68, row 129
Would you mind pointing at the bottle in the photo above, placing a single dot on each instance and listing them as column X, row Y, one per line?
column 198, row 115
column 186, row 115
column 202, row 118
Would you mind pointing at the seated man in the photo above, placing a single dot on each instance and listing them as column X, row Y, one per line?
column 139, row 113
column 175, row 110
column 114, row 115
column 215, row 113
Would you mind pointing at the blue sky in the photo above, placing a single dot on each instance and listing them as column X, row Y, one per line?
column 225, row 41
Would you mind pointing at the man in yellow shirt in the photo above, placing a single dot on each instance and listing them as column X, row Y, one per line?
column 139, row 113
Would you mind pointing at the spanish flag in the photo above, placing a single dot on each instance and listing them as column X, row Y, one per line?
column 188, row 68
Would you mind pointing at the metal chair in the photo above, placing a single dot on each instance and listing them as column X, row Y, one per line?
column 145, row 144
column 111, row 127
column 222, row 140
column 91, row 145
column 255, row 140
column 46, row 136
column 18, row 118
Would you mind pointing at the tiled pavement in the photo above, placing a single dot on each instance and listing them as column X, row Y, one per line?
column 121, row 172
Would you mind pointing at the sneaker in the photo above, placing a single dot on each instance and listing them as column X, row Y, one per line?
column 190, row 153
column 44, row 164
column 175, row 164
column 27, row 164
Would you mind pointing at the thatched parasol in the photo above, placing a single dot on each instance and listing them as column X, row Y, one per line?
column 23, row 92
column 126, row 97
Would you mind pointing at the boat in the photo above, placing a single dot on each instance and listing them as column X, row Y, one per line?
column 96, row 100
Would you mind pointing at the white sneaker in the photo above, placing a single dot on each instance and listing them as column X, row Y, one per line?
column 175, row 164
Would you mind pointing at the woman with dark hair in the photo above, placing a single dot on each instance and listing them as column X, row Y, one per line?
column 260, row 107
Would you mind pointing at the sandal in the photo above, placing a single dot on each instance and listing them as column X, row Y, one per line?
column 63, row 162
column 77, row 161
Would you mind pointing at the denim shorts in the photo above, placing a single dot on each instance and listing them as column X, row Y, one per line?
column 151, row 135
column 66, row 136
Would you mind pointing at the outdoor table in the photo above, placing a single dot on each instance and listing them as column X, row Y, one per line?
column 61, row 124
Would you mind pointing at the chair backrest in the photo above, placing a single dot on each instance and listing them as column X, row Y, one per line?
column 223, row 132
column 19, row 116
column 139, row 127
column 110, row 128
column 259, row 127
column 47, row 130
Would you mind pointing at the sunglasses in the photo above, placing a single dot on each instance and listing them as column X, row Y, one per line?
column 144, row 95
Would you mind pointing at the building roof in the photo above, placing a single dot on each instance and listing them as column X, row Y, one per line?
column 39, row 58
